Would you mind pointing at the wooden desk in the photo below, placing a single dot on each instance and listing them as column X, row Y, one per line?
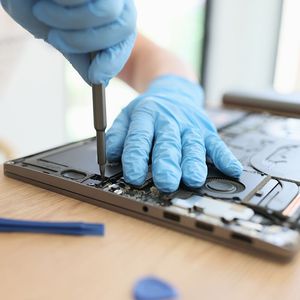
column 35, row 266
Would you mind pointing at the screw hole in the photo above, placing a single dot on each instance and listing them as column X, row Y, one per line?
column 145, row 209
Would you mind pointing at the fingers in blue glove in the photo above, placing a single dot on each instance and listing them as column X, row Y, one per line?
column 89, row 14
column 166, row 157
column 75, row 44
column 87, row 40
column 25, row 17
column 222, row 157
column 137, row 147
column 193, row 165
column 70, row 2
column 107, row 63
column 116, row 136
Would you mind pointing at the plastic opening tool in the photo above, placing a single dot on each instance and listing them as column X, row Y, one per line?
column 69, row 228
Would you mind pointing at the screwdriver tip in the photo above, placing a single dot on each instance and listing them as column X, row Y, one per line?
column 102, row 171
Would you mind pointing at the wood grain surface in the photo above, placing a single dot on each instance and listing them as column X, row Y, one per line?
column 36, row 266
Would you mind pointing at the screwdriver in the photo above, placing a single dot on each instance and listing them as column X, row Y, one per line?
column 99, row 109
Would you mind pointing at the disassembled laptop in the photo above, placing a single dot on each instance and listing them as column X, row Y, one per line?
column 261, row 210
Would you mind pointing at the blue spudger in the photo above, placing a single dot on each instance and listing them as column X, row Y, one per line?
column 153, row 288
column 70, row 228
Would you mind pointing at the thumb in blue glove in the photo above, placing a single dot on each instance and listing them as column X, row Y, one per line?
column 78, row 27
column 170, row 118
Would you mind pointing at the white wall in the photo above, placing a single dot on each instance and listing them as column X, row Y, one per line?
column 31, row 91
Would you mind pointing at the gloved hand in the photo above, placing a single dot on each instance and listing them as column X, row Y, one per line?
column 169, row 116
column 77, row 27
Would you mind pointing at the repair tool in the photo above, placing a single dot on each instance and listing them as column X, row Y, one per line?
column 99, row 109
column 70, row 228
column 154, row 288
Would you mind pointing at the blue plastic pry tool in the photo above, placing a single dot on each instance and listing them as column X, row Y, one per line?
column 68, row 228
column 152, row 288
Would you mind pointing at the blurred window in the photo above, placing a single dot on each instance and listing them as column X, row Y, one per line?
column 31, row 83
column 287, row 75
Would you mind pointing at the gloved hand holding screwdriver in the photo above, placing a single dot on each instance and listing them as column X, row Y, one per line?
column 168, row 115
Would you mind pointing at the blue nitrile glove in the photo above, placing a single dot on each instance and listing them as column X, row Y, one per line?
column 169, row 116
column 77, row 27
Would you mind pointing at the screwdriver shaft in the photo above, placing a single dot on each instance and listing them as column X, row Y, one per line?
column 100, row 121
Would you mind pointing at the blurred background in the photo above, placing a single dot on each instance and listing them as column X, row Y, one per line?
column 250, row 44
